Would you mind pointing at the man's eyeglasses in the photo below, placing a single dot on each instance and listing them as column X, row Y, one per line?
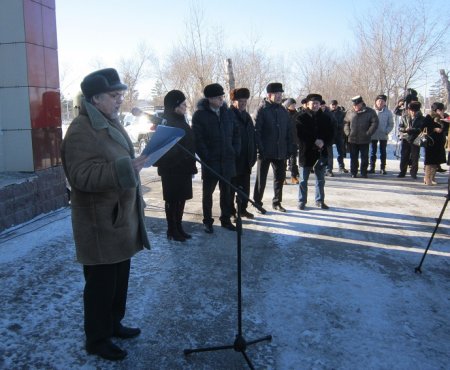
column 116, row 95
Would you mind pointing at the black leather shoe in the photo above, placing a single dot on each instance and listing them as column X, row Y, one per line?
column 354, row 176
column 301, row 206
column 440, row 169
column 383, row 171
column 371, row 170
column 343, row 170
column 107, row 350
column 125, row 332
column 247, row 214
column 322, row 205
column 261, row 211
column 228, row 225
column 278, row 207
column 401, row 175
column 208, row 228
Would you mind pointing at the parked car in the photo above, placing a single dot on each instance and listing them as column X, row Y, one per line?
column 140, row 129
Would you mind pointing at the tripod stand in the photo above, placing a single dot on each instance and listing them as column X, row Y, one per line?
column 438, row 221
column 240, row 343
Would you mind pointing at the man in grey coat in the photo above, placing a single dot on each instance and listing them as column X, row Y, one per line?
column 360, row 123
column 381, row 135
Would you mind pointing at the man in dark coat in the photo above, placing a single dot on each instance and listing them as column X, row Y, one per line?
column 360, row 123
column 409, row 128
column 339, row 136
column 247, row 156
column 290, row 106
column 315, row 132
column 274, row 144
column 218, row 143
column 107, row 209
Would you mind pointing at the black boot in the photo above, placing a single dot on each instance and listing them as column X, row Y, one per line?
column 171, row 217
column 179, row 216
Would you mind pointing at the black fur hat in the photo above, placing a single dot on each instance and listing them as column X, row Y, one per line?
column 315, row 97
column 414, row 106
column 213, row 90
column 382, row 97
column 274, row 87
column 101, row 81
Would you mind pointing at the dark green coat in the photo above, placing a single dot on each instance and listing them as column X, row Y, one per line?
column 107, row 206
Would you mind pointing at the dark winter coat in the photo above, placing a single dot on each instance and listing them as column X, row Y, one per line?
column 176, row 167
column 435, row 154
column 360, row 126
column 311, row 127
column 176, row 160
column 410, row 128
column 273, row 131
column 247, row 156
column 217, row 139
column 339, row 115
column 107, row 205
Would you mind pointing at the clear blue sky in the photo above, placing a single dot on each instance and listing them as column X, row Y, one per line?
column 90, row 30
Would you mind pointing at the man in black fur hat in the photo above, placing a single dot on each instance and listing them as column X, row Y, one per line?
column 218, row 144
column 315, row 132
column 274, row 143
column 247, row 156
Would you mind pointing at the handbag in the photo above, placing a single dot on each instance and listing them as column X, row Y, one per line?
column 423, row 139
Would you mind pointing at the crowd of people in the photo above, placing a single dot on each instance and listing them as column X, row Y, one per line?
column 107, row 205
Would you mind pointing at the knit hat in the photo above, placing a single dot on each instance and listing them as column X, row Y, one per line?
column 241, row 93
column 101, row 81
column 213, row 90
column 173, row 99
column 274, row 87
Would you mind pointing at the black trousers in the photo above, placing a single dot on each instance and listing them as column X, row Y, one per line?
column 240, row 181
column 279, row 175
column 105, row 298
column 355, row 151
column 209, row 185
column 410, row 155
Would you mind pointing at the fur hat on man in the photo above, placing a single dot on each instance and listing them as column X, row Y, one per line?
column 288, row 102
column 414, row 106
column 101, row 81
column 314, row 97
column 435, row 106
column 357, row 100
column 173, row 99
column 240, row 93
column 213, row 90
column 274, row 87
column 382, row 97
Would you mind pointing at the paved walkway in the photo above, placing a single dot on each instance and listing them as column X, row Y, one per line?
column 335, row 288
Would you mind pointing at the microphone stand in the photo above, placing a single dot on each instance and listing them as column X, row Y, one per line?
column 240, row 343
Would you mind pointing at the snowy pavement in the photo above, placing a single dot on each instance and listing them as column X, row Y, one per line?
column 335, row 288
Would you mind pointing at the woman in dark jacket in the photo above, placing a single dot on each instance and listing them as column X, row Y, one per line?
column 176, row 167
column 435, row 151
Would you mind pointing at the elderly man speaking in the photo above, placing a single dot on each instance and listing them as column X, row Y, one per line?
column 107, row 209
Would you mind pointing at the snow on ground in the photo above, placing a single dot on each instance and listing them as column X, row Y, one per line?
column 336, row 289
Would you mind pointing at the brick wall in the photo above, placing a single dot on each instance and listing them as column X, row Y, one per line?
column 40, row 192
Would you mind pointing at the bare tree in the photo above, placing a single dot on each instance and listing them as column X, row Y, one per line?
column 133, row 70
column 395, row 47
column 445, row 85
